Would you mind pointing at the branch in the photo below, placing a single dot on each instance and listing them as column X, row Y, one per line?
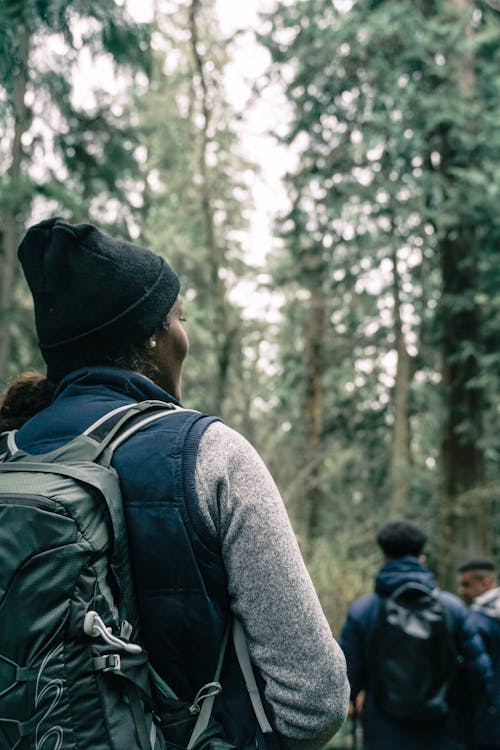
column 495, row 4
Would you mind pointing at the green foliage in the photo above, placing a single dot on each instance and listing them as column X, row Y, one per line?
column 393, row 107
column 74, row 154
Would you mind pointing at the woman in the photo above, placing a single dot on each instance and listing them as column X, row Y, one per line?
column 208, row 531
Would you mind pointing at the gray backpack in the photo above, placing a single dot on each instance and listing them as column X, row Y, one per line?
column 73, row 672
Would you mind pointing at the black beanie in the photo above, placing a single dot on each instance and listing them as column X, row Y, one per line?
column 92, row 291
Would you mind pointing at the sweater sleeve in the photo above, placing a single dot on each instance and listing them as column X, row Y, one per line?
column 289, row 639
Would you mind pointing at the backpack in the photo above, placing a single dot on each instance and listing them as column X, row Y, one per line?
column 73, row 672
column 488, row 604
column 414, row 659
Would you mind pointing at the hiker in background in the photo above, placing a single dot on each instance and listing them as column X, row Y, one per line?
column 208, row 531
column 478, row 587
column 405, row 675
column 477, row 581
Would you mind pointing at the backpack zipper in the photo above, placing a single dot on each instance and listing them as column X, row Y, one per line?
column 32, row 501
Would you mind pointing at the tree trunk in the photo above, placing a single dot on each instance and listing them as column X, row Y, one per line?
column 400, row 448
column 10, row 214
column 225, row 330
column 465, row 512
column 314, row 336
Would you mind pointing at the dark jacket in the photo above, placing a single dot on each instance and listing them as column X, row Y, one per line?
column 379, row 731
column 184, row 607
column 486, row 616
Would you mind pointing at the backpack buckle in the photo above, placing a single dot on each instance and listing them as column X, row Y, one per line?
column 125, row 630
column 94, row 627
column 113, row 663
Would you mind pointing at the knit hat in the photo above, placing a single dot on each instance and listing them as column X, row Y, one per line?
column 92, row 291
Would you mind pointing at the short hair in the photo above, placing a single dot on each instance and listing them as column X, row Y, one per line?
column 477, row 564
column 400, row 538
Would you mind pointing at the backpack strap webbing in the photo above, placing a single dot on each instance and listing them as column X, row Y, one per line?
column 208, row 703
column 414, row 587
column 150, row 412
column 3, row 445
column 91, row 444
column 241, row 648
column 137, row 711
column 108, row 433
column 111, row 430
column 123, row 667
column 138, row 698
column 7, row 444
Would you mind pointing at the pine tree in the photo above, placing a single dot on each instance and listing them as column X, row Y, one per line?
column 393, row 208
column 195, row 200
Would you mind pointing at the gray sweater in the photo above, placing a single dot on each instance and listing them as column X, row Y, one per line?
column 289, row 639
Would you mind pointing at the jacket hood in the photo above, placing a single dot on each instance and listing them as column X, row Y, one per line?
column 488, row 604
column 395, row 573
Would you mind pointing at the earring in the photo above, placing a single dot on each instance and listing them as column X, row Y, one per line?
column 152, row 343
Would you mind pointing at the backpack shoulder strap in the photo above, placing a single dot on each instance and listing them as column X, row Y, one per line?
column 91, row 444
column 110, row 436
column 7, row 444
column 241, row 649
column 4, row 448
column 97, row 443
column 415, row 587
column 105, row 436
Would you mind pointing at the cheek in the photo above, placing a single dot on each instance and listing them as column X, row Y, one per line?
column 180, row 344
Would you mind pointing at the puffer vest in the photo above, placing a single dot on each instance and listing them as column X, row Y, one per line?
column 179, row 576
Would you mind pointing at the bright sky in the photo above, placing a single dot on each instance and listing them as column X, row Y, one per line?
column 259, row 121
column 259, row 118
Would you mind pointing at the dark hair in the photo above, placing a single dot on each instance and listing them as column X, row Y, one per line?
column 135, row 357
column 400, row 538
column 28, row 394
column 477, row 563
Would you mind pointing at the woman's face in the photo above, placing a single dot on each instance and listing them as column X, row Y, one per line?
column 172, row 347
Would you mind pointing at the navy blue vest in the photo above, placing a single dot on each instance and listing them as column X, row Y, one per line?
column 179, row 576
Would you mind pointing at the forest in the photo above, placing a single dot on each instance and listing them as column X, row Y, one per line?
column 370, row 385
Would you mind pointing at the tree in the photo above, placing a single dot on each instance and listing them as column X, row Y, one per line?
column 392, row 113
column 194, row 206
column 76, row 158
column 466, row 157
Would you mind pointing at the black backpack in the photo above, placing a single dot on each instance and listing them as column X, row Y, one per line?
column 414, row 658
column 73, row 672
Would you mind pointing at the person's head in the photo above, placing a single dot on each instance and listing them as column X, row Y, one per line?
column 101, row 300
column 399, row 538
column 475, row 576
